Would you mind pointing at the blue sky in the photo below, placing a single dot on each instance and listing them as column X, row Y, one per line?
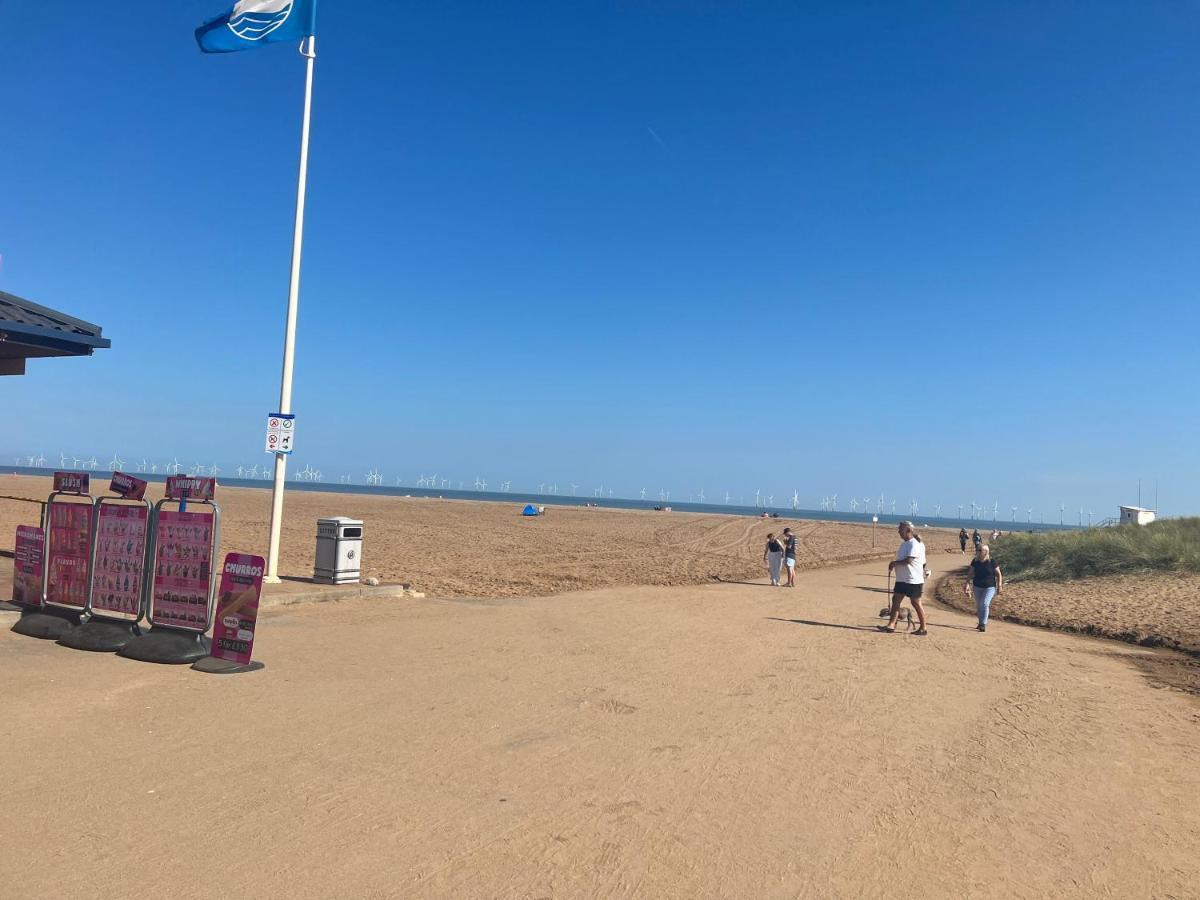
column 942, row 251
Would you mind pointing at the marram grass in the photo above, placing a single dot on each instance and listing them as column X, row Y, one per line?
column 1168, row 545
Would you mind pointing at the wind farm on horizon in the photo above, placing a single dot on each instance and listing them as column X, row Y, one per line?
column 832, row 505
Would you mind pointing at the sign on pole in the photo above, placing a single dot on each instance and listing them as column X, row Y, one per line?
column 28, row 559
column 281, row 433
column 189, row 487
column 237, row 608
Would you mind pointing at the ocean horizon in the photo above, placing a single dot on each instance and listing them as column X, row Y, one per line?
column 520, row 498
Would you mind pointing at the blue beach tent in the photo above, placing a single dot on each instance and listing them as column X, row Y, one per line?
column 529, row 510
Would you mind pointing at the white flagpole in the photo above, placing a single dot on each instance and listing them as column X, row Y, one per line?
column 289, row 341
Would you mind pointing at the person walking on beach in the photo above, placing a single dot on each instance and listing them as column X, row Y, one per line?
column 984, row 580
column 773, row 557
column 909, row 566
column 976, row 539
column 789, row 556
column 962, row 540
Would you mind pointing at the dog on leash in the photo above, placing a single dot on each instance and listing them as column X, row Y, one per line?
column 906, row 616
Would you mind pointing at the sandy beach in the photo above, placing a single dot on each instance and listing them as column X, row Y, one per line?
column 727, row 740
column 659, row 734
column 457, row 548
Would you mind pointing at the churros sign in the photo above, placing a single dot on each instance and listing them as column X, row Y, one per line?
column 237, row 607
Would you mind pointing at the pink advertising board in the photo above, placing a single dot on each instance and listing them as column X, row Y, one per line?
column 72, row 482
column 68, row 552
column 182, row 570
column 189, row 487
column 127, row 486
column 237, row 608
column 28, row 557
column 119, row 565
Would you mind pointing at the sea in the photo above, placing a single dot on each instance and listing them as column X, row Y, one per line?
column 100, row 478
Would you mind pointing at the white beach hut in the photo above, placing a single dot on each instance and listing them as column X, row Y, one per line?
column 1136, row 515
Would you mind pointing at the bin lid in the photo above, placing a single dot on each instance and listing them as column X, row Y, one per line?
column 339, row 520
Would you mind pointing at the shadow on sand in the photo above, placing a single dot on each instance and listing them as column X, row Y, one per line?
column 822, row 624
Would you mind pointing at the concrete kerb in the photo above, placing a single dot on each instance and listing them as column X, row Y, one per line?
column 278, row 599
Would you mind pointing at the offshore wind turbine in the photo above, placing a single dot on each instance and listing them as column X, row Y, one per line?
column 1014, row 512
column 795, row 499
column 701, row 495
column 643, row 493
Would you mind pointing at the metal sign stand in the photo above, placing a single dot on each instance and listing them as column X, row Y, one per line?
column 109, row 630
column 51, row 621
column 177, row 642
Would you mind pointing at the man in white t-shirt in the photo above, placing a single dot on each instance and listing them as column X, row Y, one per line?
column 909, row 566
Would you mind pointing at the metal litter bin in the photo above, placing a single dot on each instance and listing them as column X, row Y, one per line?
column 339, row 550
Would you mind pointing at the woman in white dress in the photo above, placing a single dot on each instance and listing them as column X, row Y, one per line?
column 773, row 557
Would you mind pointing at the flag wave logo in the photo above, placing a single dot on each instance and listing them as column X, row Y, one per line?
column 252, row 20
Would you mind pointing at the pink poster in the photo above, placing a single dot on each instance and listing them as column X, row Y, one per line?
column 127, row 486
column 189, row 487
column 72, row 482
column 70, row 546
column 28, row 556
column 119, row 566
column 237, row 608
column 181, row 569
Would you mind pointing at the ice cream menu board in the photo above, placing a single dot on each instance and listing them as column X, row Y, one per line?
column 70, row 543
column 181, row 569
column 237, row 607
column 28, row 556
column 119, row 566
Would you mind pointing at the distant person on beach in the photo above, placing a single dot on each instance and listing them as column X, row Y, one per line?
column 976, row 539
column 789, row 556
column 909, row 566
column 962, row 540
column 984, row 580
column 773, row 557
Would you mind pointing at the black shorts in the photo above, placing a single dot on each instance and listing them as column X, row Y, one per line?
column 911, row 591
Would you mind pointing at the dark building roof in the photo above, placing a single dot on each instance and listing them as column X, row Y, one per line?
column 28, row 330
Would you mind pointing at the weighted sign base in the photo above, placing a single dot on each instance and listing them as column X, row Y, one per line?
column 166, row 645
column 215, row 666
column 49, row 626
column 100, row 635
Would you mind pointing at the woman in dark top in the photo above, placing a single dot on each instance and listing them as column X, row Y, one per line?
column 773, row 557
column 984, row 580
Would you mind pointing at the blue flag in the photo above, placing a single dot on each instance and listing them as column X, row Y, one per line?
column 253, row 23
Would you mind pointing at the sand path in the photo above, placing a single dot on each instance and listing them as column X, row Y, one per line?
column 722, row 741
